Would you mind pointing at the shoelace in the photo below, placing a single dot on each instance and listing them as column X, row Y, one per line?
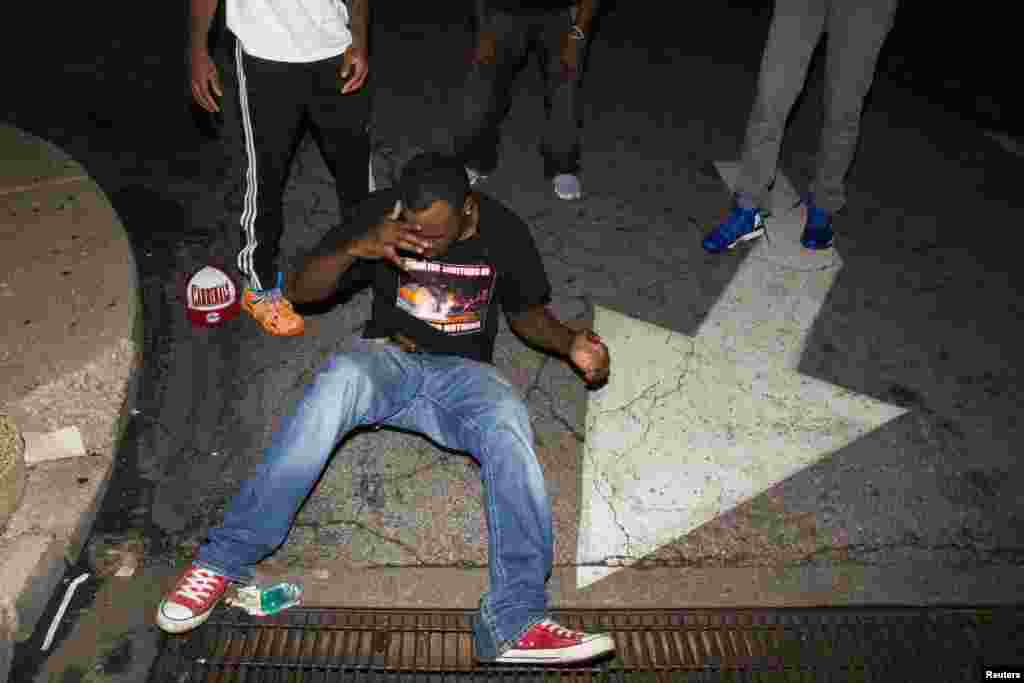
column 269, row 295
column 815, row 213
column 197, row 585
column 273, row 297
column 559, row 630
column 276, row 299
column 734, row 229
column 738, row 226
column 817, row 218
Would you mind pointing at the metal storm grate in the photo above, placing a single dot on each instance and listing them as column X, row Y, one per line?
column 827, row 644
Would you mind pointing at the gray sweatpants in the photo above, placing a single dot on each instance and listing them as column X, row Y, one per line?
column 856, row 30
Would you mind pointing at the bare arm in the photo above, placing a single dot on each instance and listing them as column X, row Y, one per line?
column 486, row 40
column 539, row 328
column 204, row 78
column 319, row 276
column 201, row 20
column 585, row 11
column 583, row 349
column 359, row 22
column 355, row 64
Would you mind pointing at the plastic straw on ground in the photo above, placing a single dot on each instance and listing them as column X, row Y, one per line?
column 61, row 610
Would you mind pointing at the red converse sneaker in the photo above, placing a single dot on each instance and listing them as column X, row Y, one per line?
column 549, row 643
column 190, row 603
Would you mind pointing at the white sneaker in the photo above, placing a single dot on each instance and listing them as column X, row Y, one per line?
column 475, row 176
column 567, row 186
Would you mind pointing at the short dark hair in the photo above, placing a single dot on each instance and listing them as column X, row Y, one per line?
column 432, row 176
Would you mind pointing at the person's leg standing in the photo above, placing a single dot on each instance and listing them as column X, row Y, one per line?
column 341, row 128
column 796, row 28
column 561, row 140
column 271, row 97
column 271, row 101
column 856, row 32
column 486, row 98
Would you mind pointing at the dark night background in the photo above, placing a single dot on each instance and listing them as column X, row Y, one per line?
column 106, row 81
column 119, row 65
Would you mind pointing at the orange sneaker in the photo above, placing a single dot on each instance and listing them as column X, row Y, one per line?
column 273, row 312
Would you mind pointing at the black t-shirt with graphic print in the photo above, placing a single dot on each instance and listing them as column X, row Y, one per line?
column 449, row 304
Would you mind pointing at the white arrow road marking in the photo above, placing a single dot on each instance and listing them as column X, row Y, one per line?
column 690, row 427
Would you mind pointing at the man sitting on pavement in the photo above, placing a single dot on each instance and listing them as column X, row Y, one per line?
column 440, row 259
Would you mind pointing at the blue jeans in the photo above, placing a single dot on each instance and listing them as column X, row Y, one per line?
column 458, row 403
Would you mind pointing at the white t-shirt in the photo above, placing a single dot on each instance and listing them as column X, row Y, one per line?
column 290, row 30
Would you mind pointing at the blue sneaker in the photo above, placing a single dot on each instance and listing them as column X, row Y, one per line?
column 739, row 226
column 817, row 232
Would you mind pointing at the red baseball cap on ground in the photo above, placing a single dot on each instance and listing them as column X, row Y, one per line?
column 211, row 298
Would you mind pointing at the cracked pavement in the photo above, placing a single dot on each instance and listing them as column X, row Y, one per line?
column 394, row 500
column 925, row 509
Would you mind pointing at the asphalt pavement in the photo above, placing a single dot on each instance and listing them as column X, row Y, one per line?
column 923, row 315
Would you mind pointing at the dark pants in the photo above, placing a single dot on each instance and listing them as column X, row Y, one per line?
column 279, row 102
column 486, row 97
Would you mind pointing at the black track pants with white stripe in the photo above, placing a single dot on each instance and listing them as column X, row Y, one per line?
column 280, row 102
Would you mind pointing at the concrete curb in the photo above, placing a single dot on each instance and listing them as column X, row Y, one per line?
column 70, row 301
column 12, row 469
